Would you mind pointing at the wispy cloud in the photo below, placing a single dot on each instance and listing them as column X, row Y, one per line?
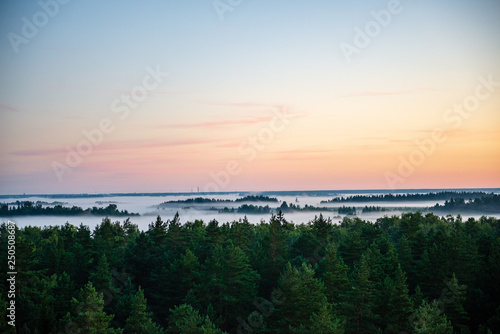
column 303, row 151
column 261, row 106
column 37, row 152
column 53, row 88
column 113, row 147
column 242, row 104
column 302, row 154
column 8, row 108
column 400, row 92
column 151, row 145
column 222, row 123
column 229, row 145
column 372, row 93
column 152, row 93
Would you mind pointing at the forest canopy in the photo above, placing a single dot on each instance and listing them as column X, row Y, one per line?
column 414, row 273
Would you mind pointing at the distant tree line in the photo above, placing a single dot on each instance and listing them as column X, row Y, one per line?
column 196, row 200
column 258, row 198
column 248, row 209
column 28, row 208
column 411, row 273
column 488, row 204
column 16, row 203
column 373, row 209
column 485, row 204
column 202, row 200
column 443, row 195
column 284, row 207
column 347, row 210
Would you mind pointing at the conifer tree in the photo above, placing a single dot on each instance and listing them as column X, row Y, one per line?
column 333, row 273
column 88, row 315
column 109, row 239
column 83, row 251
column 271, row 253
column 139, row 321
column 432, row 270
column 229, row 284
column 321, row 227
column 175, row 281
column 428, row 318
column 63, row 294
column 184, row 319
column 399, row 304
column 352, row 247
column 101, row 277
column 174, row 235
column 405, row 257
column 304, row 303
column 452, row 302
column 360, row 304
column 322, row 323
column 417, row 298
column 158, row 232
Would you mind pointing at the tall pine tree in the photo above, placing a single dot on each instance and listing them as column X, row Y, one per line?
column 428, row 318
column 88, row 316
column 360, row 304
column 139, row 321
column 333, row 272
column 304, row 307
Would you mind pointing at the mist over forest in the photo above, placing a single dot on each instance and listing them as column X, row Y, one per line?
column 426, row 269
column 249, row 167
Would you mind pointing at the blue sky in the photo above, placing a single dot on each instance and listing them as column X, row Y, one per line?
column 263, row 54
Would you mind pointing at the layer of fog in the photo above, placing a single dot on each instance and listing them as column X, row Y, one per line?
column 149, row 207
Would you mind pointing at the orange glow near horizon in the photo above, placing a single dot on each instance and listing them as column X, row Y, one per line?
column 252, row 103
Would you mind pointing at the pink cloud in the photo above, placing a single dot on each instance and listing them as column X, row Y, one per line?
column 402, row 92
column 241, row 104
column 116, row 146
column 229, row 145
column 153, row 93
column 150, row 145
column 238, row 122
column 368, row 94
column 267, row 107
column 53, row 88
column 72, row 117
column 250, row 121
column 304, row 151
column 301, row 154
column 37, row 152
column 7, row 107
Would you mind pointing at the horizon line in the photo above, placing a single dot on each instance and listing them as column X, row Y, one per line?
column 238, row 191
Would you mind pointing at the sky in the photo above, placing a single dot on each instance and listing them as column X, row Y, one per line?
column 240, row 95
